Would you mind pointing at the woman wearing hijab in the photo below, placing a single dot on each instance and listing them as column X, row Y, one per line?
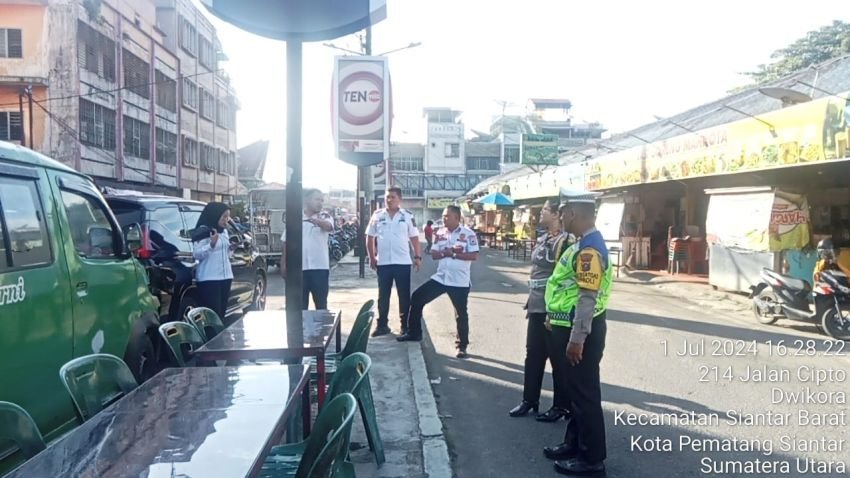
column 212, row 251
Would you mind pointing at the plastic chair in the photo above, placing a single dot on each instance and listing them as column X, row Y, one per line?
column 323, row 453
column 17, row 426
column 182, row 339
column 357, row 341
column 96, row 381
column 352, row 377
column 206, row 321
column 366, row 307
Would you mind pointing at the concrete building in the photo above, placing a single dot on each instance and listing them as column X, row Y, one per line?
column 432, row 175
column 110, row 93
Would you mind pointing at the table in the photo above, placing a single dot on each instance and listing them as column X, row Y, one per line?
column 192, row 421
column 262, row 335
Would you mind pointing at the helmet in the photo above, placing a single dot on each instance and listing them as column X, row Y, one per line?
column 825, row 249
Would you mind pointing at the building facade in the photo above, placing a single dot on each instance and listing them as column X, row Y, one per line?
column 129, row 93
column 432, row 175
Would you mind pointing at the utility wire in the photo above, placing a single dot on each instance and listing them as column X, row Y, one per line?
column 126, row 87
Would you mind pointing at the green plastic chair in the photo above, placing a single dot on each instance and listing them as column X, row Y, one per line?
column 96, row 381
column 182, row 340
column 352, row 377
column 323, row 453
column 366, row 307
column 206, row 321
column 17, row 426
column 357, row 341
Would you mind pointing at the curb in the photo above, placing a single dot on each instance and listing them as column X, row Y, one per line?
column 435, row 452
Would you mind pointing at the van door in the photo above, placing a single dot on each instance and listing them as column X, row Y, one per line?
column 103, row 279
column 35, row 299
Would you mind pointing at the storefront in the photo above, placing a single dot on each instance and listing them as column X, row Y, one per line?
column 799, row 151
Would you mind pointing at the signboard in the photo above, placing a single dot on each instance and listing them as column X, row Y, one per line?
column 789, row 222
column 439, row 203
column 361, row 109
column 764, row 221
column 539, row 149
column 800, row 134
column 609, row 217
column 740, row 220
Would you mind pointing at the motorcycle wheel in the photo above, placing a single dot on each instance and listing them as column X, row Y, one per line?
column 768, row 297
column 835, row 325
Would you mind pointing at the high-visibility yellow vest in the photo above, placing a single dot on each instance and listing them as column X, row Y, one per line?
column 562, row 290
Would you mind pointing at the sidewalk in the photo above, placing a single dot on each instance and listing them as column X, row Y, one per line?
column 407, row 414
column 691, row 288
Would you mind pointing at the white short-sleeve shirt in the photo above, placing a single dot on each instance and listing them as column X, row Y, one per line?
column 314, row 243
column 393, row 235
column 454, row 272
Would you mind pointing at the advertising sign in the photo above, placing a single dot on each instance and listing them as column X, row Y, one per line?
column 764, row 221
column 361, row 109
column 805, row 133
column 439, row 203
column 726, row 224
column 539, row 149
column 789, row 222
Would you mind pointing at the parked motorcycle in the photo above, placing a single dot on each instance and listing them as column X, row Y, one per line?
column 782, row 297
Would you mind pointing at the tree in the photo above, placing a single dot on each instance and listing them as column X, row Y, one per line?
column 817, row 46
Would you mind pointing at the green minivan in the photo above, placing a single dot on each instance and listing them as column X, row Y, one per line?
column 68, row 287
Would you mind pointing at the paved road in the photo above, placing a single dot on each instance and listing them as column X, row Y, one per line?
column 474, row 395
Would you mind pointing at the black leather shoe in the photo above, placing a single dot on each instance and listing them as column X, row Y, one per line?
column 381, row 330
column 409, row 338
column 560, row 452
column 552, row 415
column 461, row 353
column 522, row 409
column 580, row 467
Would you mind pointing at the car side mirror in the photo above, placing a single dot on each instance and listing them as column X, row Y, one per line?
column 133, row 238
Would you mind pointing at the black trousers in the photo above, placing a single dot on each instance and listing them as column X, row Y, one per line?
column 586, row 426
column 429, row 291
column 537, row 351
column 316, row 283
column 400, row 274
column 214, row 295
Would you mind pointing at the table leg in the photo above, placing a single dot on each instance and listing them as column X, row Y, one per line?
column 320, row 370
column 306, row 410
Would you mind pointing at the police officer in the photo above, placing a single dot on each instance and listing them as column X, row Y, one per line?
column 552, row 241
column 455, row 247
column 391, row 233
column 576, row 299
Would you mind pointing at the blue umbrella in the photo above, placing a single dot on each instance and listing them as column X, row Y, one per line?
column 496, row 199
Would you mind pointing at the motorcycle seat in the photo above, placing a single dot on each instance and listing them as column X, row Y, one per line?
column 790, row 282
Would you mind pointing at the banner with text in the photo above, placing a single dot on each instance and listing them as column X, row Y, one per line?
column 361, row 109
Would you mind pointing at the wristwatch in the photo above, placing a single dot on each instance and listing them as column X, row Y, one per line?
column 417, row 258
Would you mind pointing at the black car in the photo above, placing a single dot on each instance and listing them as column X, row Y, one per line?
column 166, row 225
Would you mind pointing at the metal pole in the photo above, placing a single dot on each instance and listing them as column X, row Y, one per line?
column 294, row 206
column 29, row 97
column 21, row 111
column 362, row 178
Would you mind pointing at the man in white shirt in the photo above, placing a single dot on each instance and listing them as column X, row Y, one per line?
column 391, row 233
column 455, row 246
column 315, row 258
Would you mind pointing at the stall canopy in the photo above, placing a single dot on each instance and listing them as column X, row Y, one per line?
column 495, row 200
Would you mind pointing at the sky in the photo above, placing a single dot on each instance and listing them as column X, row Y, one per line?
column 620, row 63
